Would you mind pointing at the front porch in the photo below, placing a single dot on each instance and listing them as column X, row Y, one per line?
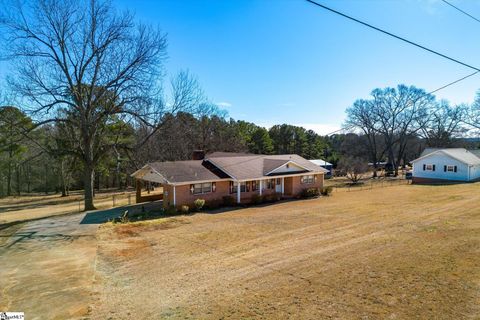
column 244, row 190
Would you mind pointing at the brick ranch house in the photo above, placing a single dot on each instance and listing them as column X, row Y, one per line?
column 221, row 174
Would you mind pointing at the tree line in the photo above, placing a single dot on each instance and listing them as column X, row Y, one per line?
column 41, row 158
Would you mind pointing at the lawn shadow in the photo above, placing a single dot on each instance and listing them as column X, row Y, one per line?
column 31, row 204
column 102, row 216
column 33, row 235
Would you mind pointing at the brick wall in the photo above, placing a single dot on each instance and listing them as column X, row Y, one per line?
column 184, row 197
column 419, row 180
column 293, row 187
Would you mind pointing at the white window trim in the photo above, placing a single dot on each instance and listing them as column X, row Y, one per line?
column 308, row 179
column 203, row 192
column 427, row 167
column 450, row 167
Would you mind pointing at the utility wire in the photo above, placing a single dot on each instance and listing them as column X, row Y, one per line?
column 393, row 35
column 454, row 82
column 462, row 11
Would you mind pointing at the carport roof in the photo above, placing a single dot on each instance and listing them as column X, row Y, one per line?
column 180, row 171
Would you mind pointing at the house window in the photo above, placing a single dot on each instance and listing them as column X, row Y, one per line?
column 308, row 179
column 199, row 188
column 450, row 168
column 271, row 184
column 243, row 186
column 428, row 167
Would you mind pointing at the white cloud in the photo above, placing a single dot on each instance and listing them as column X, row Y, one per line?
column 224, row 104
column 320, row 128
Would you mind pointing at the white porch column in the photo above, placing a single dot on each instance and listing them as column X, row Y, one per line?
column 283, row 186
column 238, row 191
column 174, row 197
column 261, row 186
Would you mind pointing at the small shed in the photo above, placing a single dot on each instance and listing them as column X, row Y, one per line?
column 324, row 164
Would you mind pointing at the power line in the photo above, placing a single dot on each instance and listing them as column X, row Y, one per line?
column 462, row 11
column 454, row 82
column 393, row 35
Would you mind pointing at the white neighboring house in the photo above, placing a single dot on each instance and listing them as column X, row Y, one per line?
column 450, row 164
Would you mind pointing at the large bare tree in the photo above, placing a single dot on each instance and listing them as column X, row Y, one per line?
column 401, row 112
column 361, row 115
column 444, row 124
column 85, row 64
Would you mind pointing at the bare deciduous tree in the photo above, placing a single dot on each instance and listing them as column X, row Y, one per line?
column 361, row 115
column 354, row 167
column 443, row 124
column 85, row 64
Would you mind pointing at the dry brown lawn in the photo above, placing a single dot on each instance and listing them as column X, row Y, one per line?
column 403, row 252
column 28, row 207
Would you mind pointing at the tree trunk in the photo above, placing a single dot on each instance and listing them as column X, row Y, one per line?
column 89, row 180
column 9, row 179
column 28, row 178
column 17, row 172
column 46, row 178
column 391, row 160
column 63, row 176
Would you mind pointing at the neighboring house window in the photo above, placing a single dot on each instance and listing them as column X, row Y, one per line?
column 450, row 168
column 428, row 167
column 308, row 179
column 199, row 188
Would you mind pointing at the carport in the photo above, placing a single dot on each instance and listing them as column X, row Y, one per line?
column 144, row 176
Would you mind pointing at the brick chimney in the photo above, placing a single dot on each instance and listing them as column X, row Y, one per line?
column 198, row 155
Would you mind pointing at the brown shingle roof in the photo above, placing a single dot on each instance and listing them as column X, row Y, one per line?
column 184, row 171
column 245, row 167
column 219, row 154
column 272, row 164
column 255, row 167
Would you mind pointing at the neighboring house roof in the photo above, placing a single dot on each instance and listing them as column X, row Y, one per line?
column 460, row 154
column 243, row 167
column 321, row 162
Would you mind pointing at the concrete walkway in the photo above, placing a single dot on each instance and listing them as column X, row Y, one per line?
column 47, row 266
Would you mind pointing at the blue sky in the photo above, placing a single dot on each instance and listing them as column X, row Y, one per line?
column 287, row 61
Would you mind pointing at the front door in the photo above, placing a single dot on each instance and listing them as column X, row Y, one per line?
column 278, row 185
